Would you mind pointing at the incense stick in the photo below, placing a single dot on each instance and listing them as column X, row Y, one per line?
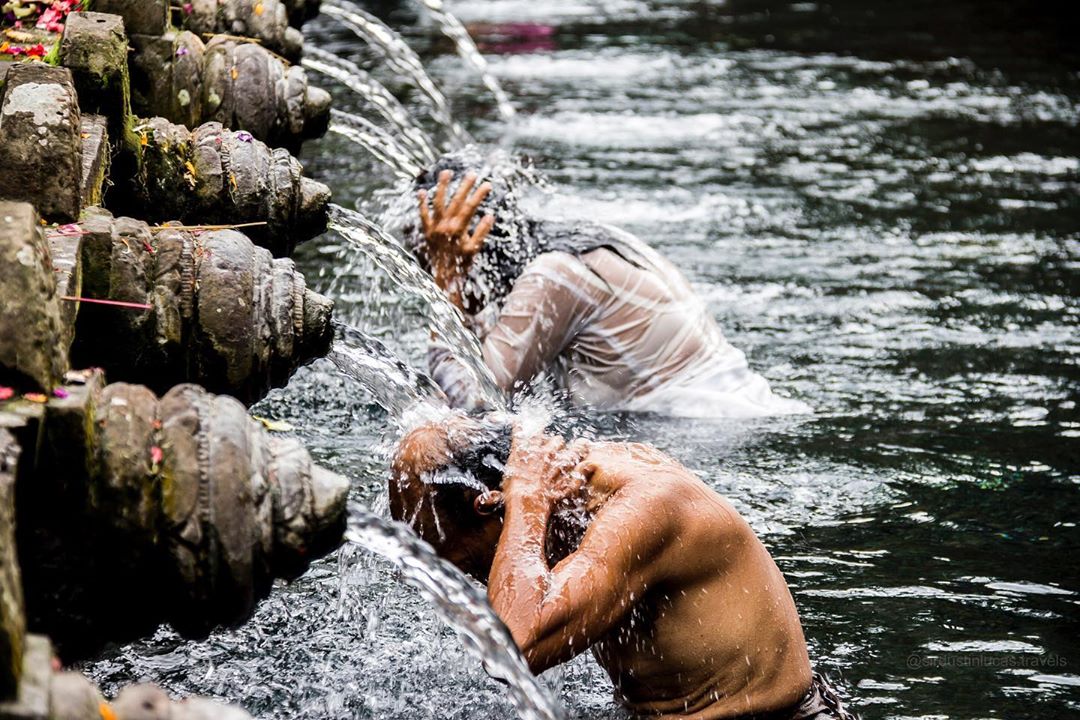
column 116, row 303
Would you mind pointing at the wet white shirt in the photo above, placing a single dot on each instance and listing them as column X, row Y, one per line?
column 615, row 336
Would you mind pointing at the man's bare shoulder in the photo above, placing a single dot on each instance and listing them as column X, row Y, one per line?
column 650, row 481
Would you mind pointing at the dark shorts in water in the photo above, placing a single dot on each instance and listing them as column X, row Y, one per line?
column 821, row 702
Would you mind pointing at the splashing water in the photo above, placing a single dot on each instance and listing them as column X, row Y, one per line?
column 393, row 383
column 375, row 93
column 400, row 59
column 445, row 320
column 467, row 49
column 460, row 605
column 381, row 144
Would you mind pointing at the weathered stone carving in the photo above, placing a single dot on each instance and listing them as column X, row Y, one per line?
column 223, row 312
column 264, row 20
column 32, row 357
column 73, row 697
column 239, row 84
column 31, row 700
column 40, row 149
column 136, row 510
column 151, row 17
column 213, row 175
column 48, row 695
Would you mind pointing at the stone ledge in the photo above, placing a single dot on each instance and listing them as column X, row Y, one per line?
column 40, row 152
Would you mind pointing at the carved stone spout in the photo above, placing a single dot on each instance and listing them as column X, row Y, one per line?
column 223, row 313
column 214, row 175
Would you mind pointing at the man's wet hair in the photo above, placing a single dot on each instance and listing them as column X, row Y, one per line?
column 435, row 485
column 478, row 464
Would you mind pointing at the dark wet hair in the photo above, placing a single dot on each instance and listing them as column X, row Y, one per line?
column 516, row 239
column 478, row 464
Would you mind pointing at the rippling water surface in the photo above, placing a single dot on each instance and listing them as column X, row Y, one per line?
column 881, row 204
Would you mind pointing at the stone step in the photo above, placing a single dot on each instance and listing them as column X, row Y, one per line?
column 95, row 49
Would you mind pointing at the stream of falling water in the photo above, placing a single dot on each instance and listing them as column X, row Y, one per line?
column 381, row 144
column 467, row 49
column 377, row 96
column 392, row 382
column 445, row 320
column 460, row 604
column 400, row 59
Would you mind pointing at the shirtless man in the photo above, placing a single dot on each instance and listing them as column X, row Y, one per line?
column 616, row 548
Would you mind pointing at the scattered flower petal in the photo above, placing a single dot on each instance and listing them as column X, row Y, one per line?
column 275, row 425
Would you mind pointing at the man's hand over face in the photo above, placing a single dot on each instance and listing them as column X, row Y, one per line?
column 450, row 246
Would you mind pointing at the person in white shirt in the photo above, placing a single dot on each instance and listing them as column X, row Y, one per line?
column 610, row 321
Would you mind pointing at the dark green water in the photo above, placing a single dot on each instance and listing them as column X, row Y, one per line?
column 881, row 204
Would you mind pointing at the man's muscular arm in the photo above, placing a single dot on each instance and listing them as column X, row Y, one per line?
column 556, row 613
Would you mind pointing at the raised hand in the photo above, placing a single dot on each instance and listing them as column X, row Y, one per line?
column 450, row 247
column 542, row 467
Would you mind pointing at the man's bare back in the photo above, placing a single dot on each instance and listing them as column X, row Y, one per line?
column 718, row 636
column 616, row 548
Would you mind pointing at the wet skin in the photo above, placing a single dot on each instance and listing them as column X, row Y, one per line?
column 670, row 588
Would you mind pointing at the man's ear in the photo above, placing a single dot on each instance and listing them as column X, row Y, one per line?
column 488, row 503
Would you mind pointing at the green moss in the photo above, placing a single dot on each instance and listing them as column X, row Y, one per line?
column 97, row 185
column 53, row 56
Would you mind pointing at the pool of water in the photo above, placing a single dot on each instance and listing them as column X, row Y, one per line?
column 881, row 204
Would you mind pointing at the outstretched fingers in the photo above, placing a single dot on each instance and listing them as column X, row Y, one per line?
column 478, row 197
column 440, row 193
column 425, row 212
column 476, row 241
column 461, row 196
column 451, row 220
